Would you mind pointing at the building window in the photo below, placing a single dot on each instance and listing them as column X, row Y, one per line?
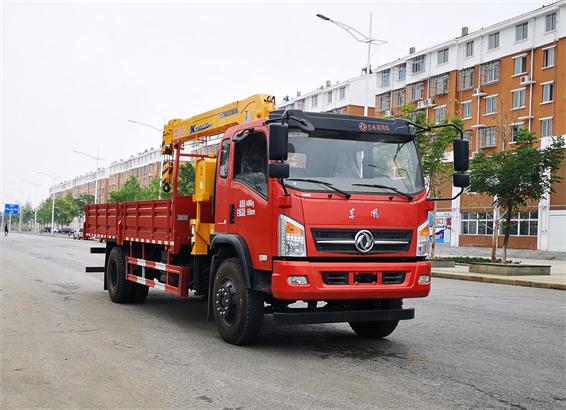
column 342, row 93
column 442, row 56
column 300, row 105
column 440, row 114
column 477, row 223
column 468, row 135
column 546, row 127
column 519, row 65
column 493, row 41
column 548, row 57
column 518, row 98
column 315, row 100
column 490, row 104
column 515, row 132
column 417, row 64
column 550, row 22
column 466, row 110
column 399, row 97
column 329, row 97
column 521, row 31
column 487, row 137
column 490, row 72
column 522, row 224
column 417, row 91
column 547, row 92
column 469, row 49
column 383, row 78
column 439, row 84
column 384, row 101
column 401, row 72
column 465, row 79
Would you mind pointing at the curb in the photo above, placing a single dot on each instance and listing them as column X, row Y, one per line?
column 500, row 281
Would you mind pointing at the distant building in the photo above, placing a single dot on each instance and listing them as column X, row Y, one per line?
column 145, row 166
column 347, row 97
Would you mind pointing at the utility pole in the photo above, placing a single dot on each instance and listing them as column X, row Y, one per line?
column 36, row 204
column 54, row 178
column 360, row 38
column 97, row 158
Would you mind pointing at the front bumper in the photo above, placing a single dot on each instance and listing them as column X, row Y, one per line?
column 316, row 289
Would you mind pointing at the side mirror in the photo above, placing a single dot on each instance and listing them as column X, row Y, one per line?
column 278, row 170
column 461, row 180
column 278, row 140
column 461, row 155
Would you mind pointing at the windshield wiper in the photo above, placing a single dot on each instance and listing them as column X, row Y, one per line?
column 409, row 197
column 316, row 181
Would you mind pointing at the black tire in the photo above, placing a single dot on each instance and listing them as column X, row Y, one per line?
column 119, row 288
column 238, row 311
column 378, row 329
column 139, row 293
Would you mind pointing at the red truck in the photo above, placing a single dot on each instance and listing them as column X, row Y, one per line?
column 326, row 209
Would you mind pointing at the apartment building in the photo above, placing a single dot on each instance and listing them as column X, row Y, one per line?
column 144, row 165
column 346, row 97
column 503, row 77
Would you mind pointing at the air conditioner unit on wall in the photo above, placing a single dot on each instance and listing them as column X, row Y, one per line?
column 478, row 92
column 526, row 79
column 422, row 104
column 430, row 102
column 388, row 113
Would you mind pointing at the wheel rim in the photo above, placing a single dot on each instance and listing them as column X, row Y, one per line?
column 113, row 275
column 227, row 302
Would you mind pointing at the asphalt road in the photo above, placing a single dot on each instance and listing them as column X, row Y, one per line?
column 64, row 344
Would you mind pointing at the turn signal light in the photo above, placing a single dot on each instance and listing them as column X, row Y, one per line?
column 297, row 280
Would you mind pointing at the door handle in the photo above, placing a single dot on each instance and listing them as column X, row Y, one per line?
column 232, row 214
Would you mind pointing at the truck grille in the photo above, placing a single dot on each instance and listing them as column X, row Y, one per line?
column 342, row 240
column 343, row 278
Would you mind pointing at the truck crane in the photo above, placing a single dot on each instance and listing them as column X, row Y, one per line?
column 325, row 209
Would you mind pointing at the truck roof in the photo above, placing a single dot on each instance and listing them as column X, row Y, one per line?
column 351, row 123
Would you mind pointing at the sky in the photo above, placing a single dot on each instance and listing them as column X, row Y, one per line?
column 73, row 73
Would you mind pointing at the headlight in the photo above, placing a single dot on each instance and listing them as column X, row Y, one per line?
column 291, row 238
column 423, row 239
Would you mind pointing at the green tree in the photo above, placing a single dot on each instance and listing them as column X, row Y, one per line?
column 131, row 191
column 27, row 213
column 432, row 148
column 80, row 203
column 65, row 209
column 186, row 185
column 44, row 211
column 515, row 176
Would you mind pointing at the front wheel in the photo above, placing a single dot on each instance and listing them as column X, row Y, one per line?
column 378, row 329
column 238, row 311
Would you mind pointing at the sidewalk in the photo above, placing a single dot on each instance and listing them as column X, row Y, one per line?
column 556, row 260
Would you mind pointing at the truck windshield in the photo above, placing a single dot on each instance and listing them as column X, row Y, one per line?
column 348, row 161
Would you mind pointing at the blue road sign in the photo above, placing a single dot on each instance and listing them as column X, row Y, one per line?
column 11, row 209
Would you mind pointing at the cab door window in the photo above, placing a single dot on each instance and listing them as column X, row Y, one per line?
column 250, row 162
column 224, row 157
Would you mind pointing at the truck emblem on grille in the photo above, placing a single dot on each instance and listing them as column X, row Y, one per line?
column 374, row 213
column 351, row 213
column 363, row 241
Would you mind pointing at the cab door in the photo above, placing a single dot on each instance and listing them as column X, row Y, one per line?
column 222, row 189
column 248, row 205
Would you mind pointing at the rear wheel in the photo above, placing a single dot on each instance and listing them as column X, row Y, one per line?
column 378, row 329
column 238, row 311
column 119, row 288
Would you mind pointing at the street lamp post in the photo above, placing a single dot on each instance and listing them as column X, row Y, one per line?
column 36, row 204
column 161, row 162
column 360, row 38
column 54, row 178
column 97, row 158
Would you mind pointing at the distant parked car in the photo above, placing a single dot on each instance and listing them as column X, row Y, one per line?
column 66, row 231
column 78, row 234
column 45, row 230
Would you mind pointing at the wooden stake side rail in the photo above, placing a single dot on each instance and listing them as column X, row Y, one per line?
column 161, row 222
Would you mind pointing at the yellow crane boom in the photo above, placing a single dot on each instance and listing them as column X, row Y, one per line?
column 213, row 122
